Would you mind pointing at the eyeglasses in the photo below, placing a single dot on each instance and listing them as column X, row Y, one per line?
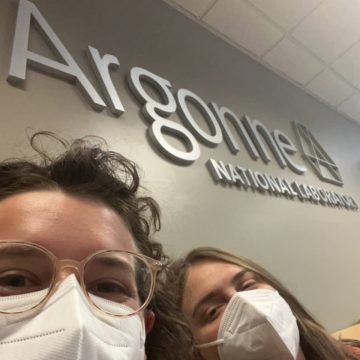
column 119, row 283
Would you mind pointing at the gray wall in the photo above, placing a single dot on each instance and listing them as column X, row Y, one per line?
column 314, row 250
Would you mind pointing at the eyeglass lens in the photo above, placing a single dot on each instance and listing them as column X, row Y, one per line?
column 24, row 270
column 118, row 278
column 116, row 282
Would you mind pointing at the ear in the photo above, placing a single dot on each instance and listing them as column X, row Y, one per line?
column 149, row 320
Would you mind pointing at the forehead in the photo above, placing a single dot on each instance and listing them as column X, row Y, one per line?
column 206, row 276
column 69, row 226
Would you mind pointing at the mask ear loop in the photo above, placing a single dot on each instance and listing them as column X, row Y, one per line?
column 209, row 344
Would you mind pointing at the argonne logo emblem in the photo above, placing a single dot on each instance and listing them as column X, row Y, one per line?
column 314, row 153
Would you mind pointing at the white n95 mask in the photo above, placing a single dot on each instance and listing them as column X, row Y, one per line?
column 66, row 328
column 257, row 325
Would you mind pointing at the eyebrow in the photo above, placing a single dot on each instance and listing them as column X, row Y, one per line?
column 239, row 276
column 115, row 263
column 19, row 251
column 208, row 298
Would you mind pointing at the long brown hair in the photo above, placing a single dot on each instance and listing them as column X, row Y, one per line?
column 315, row 342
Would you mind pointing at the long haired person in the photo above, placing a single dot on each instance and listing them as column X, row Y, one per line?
column 233, row 309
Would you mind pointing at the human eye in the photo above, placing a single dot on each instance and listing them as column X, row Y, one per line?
column 249, row 285
column 212, row 313
column 16, row 282
column 111, row 289
column 247, row 282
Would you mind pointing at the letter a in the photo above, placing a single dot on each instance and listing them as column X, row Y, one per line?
column 21, row 55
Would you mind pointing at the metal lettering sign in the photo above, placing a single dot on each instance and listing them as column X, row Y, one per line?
column 22, row 57
column 257, row 139
column 317, row 157
column 246, row 178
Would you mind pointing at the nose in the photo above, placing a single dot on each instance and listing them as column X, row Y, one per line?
column 67, row 268
column 230, row 292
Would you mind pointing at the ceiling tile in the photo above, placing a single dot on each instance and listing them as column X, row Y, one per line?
column 196, row 7
column 293, row 61
column 331, row 29
column 330, row 87
column 348, row 65
column 351, row 107
column 284, row 12
column 243, row 25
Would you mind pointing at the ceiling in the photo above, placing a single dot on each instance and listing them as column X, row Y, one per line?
column 315, row 44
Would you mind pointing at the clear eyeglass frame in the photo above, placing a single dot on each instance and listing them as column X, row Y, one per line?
column 79, row 266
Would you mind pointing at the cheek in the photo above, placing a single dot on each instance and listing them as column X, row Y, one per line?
column 208, row 332
column 265, row 286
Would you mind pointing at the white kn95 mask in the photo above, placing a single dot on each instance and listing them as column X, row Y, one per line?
column 257, row 325
column 66, row 328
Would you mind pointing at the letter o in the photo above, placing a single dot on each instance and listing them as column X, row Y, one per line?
column 184, row 95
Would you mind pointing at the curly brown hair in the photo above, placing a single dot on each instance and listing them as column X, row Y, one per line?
column 83, row 168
